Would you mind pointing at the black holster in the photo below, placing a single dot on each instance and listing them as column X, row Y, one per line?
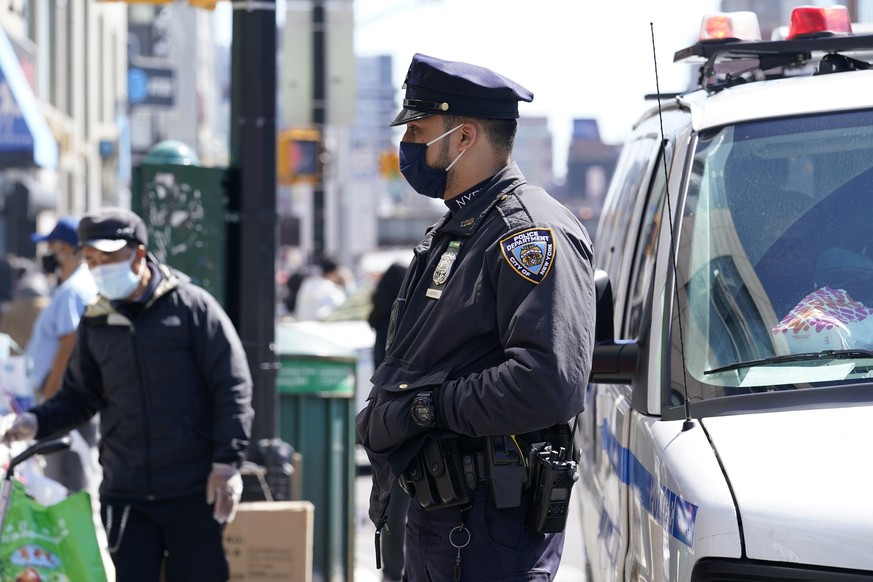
column 436, row 476
column 552, row 465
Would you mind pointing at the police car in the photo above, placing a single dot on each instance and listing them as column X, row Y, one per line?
column 729, row 421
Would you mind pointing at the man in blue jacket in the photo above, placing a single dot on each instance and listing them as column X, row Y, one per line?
column 159, row 359
column 489, row 347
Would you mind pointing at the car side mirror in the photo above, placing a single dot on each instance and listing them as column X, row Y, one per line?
column 614, row 361
column 604, row 330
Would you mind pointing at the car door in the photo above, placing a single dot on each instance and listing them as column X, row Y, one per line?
column 604, row 426
column 671, row 472
column 650, row 500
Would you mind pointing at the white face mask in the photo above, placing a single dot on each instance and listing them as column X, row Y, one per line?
column 116, row 280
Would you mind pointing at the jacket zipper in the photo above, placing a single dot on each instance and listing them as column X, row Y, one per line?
column 382, row 521
column 146, row 429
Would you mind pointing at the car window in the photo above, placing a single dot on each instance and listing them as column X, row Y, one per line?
column 618, row 216
column 646, row 248
column 779, row 257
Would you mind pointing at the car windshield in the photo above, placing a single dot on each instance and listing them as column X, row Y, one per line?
column 776, row 256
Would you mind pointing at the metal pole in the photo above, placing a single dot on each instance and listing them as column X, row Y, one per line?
column 852, row 6
column 252, row 229
column 319, row 96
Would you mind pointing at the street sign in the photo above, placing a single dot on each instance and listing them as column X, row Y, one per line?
column 151, row 86
column 297, row 64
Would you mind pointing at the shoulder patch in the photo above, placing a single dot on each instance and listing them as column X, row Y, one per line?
column 530, row 253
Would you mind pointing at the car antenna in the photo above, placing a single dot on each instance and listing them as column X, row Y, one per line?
column 689, row 422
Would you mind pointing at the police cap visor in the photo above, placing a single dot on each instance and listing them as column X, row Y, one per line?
column 434, row 86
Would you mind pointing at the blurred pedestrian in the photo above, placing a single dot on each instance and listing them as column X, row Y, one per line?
column 292, row 288
column 384, row 294
column 7, row 279
column 30, row 296
column 54, row 333
column 392, row 538
column 54, row 337
column 322, row 292
column 490, row 344
column 161, row 362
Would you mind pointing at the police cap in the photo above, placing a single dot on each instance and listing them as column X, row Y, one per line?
column 434, row 86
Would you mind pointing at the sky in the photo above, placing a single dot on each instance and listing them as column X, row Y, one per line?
column 580, row 58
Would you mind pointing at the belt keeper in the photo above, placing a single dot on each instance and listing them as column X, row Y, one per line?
column 471, row 471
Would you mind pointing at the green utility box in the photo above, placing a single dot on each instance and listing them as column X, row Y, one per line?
column 316, row 390
column 183, row 207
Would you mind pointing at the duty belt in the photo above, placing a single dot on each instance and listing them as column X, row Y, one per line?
column 448, row 467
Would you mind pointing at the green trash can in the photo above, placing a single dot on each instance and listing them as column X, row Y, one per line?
column 316, row 390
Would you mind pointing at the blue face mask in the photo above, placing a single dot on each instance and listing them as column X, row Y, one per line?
column 116, row 280
column 424, row 180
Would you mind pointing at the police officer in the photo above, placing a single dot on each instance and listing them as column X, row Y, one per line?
column 489, row 348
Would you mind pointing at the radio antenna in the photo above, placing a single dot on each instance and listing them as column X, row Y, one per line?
column 689, row 423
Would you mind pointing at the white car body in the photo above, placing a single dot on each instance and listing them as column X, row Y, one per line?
column 710, row 448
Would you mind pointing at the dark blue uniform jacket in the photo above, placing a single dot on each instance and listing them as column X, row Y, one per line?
column 172, row 384
column 507, row 344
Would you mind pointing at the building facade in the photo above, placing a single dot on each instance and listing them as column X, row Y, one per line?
column 72, row 55
column 590, row 165
column 533, row 151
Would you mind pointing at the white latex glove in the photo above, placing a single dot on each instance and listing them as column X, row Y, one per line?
column 21, row 428
column 224, row 488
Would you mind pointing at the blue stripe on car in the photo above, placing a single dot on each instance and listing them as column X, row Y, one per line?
column 675, row 514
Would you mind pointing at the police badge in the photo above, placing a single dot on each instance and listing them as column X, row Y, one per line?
column 530, row 253
column 443, row 270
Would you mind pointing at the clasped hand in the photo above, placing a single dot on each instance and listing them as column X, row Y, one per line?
column 390, row 424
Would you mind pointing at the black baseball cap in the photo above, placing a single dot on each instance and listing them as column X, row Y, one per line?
column 110, row 229
column 434, row 86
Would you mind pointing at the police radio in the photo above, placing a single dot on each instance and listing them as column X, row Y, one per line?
column 553, row 476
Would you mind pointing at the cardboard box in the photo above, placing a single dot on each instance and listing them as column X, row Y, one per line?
column 270, row 541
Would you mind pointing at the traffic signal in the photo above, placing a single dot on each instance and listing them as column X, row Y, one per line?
column 299, row 156
column 389, row 165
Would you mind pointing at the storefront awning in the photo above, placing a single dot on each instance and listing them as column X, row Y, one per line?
column 25, row 137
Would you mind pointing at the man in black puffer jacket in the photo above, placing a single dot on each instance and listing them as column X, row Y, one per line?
column 160, row 361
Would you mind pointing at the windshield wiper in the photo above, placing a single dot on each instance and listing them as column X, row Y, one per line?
column 823, row 355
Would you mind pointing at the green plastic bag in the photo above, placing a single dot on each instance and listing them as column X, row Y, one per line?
column 57, row 543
